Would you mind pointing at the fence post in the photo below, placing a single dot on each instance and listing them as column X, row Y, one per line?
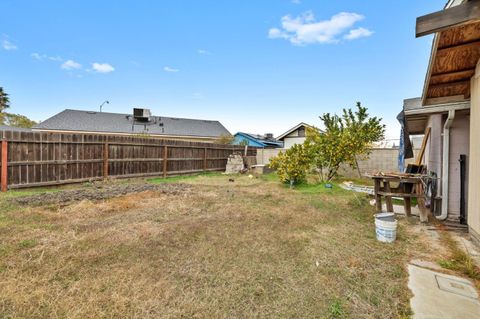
column 105, row 160
column 4, row 172
column 205, row 159
column 165, row 157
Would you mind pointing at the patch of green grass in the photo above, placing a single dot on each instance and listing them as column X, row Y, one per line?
column 270, row 177
column 176, row 179
column 27, row 243
column 336, row 309
column 28, row 192
column 320, row 188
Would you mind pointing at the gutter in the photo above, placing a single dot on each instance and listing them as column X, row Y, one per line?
column 445, row 166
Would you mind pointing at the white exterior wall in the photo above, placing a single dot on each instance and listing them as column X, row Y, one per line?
column 288, row 142
column 459, row 144
column 433, row 153
column 474, row 160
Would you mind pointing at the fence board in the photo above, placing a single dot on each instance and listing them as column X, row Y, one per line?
column 40, row 159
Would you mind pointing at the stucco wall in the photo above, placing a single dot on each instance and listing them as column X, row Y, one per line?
column 290, row 141
column 459, row 144
column 433, row 152
column 474, row 167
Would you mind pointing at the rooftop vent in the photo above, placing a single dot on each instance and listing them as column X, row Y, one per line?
column 269, row 136
column 141, row 114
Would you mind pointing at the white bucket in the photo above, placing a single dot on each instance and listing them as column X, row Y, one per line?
column 386, row 227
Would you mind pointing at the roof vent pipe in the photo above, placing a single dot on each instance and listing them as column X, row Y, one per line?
column 445, row 164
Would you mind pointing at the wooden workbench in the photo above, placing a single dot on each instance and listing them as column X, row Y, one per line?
column 409, row 186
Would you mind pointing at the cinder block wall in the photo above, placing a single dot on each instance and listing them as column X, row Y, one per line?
column 381, row 159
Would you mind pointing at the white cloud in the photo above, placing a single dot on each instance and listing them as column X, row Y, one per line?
column 70, row 65
column 41, row 57
column 296, row 1
column 102, row 67
column 170, row 69
column 204, row 52
column 55, row 58
column 38, row 56
column 304, row 29
column 9, row 46
column 357, row 34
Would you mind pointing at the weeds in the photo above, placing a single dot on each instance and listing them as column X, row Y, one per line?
column 458, row 260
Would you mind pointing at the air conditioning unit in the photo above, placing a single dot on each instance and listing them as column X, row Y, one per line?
column 269, row 136
column 141, row 114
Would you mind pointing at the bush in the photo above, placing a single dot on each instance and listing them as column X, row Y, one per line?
column 293, row 165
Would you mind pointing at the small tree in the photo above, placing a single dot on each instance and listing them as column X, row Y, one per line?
column 293, row 165
column 345, row 139
column 4, row 100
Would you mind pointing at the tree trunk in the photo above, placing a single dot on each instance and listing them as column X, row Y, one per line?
column 358, row 168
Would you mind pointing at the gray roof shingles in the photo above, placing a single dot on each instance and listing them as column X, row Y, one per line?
column 103, row 122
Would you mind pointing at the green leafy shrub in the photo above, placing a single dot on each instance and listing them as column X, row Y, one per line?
column 292, row 165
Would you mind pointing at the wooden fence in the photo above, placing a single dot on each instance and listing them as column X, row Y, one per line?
column 31, row 159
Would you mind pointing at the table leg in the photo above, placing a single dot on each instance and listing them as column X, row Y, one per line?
column 388, row 198
column 407, row 204
column 421, row 204
column 378, row 198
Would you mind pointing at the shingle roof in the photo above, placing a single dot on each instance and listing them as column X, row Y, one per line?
column 263, row 140
column 75, row 120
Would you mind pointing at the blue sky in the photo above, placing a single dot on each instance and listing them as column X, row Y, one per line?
column 257, row 66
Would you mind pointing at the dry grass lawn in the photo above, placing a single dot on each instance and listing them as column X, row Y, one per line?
column 243, row 249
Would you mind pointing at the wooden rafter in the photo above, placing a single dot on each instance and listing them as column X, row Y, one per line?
column 459, row 35
column 449, row 89
column 456, row 58
column 453, row 76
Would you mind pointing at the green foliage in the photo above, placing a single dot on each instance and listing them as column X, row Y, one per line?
column 27, row 243
column 345, row 139
column 293, row 164
column 16, row 120
column 336, row 309
column 224, row 139
column 4, row 100
column 11, row 119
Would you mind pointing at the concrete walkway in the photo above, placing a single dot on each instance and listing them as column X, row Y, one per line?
column 440, row 296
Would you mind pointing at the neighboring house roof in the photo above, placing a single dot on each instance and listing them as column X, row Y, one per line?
column 13, row 128
column 293, row 129
column 86, row 121
column 261, row 140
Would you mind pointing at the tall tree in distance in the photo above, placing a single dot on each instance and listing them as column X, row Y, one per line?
column 10, row 119
column 4, row 100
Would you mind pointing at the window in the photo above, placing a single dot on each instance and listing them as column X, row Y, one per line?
column 301, row 131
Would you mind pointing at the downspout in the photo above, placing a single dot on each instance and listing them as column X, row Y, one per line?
column 445, row 164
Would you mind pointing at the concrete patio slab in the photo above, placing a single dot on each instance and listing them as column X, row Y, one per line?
column 441, row 296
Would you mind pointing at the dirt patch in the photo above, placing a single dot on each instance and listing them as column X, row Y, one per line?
column 98, row 192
